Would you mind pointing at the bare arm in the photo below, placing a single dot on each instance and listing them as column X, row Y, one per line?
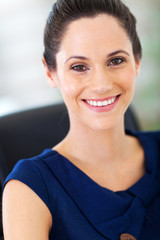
column 25, row 215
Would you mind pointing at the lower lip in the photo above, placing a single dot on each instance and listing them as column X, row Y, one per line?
column 103, row 108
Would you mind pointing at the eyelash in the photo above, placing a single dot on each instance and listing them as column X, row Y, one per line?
column 83, row 68
column 75, row 68
column 117, row 58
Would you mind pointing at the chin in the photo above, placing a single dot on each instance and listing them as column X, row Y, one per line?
column 103, row 125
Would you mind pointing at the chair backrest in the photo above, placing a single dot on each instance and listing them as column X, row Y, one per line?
column 28, row 133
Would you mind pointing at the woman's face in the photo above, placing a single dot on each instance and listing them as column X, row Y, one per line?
column 96, row 72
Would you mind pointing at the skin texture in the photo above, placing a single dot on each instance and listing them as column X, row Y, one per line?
column 25, row 216
column 95, row 140
column 100, row 80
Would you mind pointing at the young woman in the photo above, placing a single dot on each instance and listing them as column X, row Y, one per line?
column 101, row 181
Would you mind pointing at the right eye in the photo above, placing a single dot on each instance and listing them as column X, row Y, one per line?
column 79, row 68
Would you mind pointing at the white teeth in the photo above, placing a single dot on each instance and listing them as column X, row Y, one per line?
column 113, row 99
column 109, row 101
column 101, row 103
column 105, row 103
column 94, row 103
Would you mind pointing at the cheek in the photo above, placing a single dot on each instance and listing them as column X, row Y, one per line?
column 70, row 88
column 128, row 80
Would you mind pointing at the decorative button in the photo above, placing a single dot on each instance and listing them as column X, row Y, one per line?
column 126, row 236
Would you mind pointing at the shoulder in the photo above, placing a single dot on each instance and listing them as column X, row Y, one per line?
column 34, row 173
column 150, row 142
column 149, row 136
column 23, row 210
column 26, row 196
column 152, row 138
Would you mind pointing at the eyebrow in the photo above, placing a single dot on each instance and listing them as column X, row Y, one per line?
column 77, row 57
column 109, row 55
column 117, row 52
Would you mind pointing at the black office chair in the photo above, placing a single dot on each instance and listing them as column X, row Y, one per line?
column 28, row 133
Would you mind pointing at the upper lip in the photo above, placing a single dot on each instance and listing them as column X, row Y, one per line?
column 101, row 99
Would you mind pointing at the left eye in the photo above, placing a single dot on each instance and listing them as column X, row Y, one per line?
column 79, row 68
column 116, row 61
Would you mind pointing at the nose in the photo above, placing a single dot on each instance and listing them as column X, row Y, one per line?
column 101, row 82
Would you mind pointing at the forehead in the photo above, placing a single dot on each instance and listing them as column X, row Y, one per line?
column 99, row 32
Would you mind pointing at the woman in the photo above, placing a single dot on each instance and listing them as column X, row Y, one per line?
column 100, row 182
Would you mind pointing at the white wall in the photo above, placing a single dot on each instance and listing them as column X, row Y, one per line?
column 22, row 80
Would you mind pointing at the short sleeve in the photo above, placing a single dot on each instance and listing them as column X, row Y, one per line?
column 27, row 172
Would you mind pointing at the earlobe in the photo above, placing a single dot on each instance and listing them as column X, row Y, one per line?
column 51, row 76
column 52, row 79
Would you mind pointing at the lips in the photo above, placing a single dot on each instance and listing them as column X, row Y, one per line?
column 103, row 104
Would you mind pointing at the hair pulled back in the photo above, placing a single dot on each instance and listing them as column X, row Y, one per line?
column 65, row 11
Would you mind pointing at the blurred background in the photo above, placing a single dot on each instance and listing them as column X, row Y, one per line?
column 23, row 84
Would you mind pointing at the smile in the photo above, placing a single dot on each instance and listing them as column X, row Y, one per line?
column 98, row 103
column 102, row 105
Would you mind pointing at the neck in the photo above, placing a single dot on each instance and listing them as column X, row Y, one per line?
column 94, row 146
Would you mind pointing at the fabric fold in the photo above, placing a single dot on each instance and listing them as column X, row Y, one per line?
column 111, row 213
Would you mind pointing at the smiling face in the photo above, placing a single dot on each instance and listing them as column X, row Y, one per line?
column 96, row 72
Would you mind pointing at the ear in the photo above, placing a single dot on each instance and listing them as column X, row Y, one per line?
column 138, row 67
column 51, row 76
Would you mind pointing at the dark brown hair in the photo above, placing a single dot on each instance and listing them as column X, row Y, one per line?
column 65, row 11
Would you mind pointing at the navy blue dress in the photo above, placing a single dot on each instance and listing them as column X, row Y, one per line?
column 82, row 209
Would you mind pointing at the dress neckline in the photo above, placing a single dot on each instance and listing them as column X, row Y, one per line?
column 144, row 145
column 110, row 213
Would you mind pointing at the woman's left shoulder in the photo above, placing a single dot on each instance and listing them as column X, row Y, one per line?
column 151, row 135
column 145, row 134
column 150, row 139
